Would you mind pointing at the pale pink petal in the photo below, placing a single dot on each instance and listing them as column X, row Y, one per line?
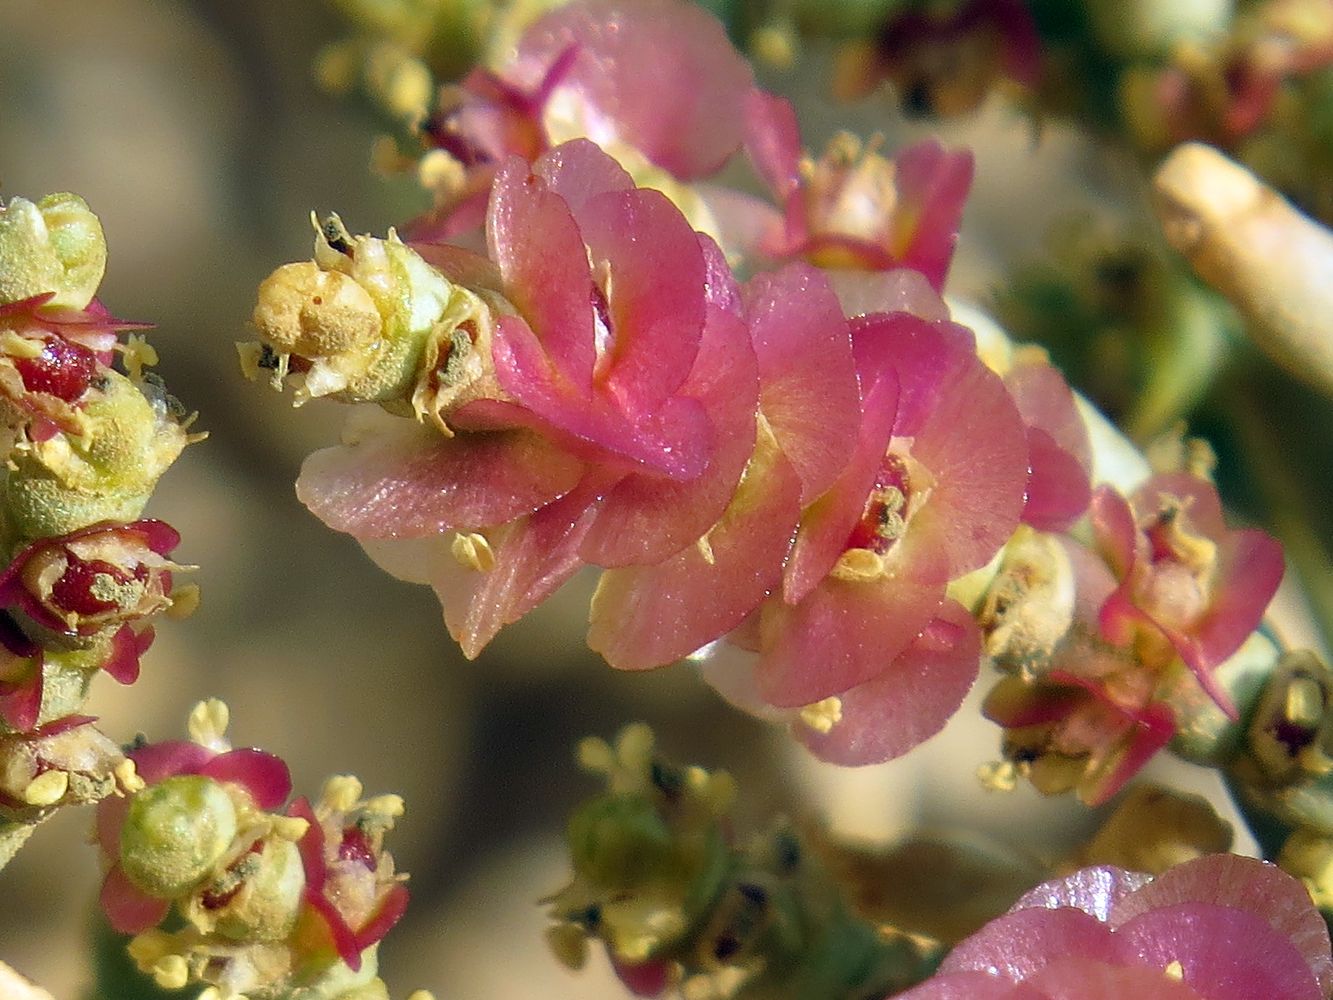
column 910, row 701
column 1200, row 498
column 773, row 142
column 827, row 523
column 1019, row 944
column 1044, row 399
column 1096, row 891
column 969, row 986
column 407, row 480
column 534, row 555
column 932, row 187
column 536, row 243
column 1226, row 954
column 1257, row 887
column 129, row 909
column 646, row 519
column 898, row 290
column 1085, row 979
column 808, row 385
column 578, row 171
column 656, row 301
column 649, row 616
column 841, row 635
column 1114, row 527
column 662, row 72
column 462, row 267
column 1058, row 492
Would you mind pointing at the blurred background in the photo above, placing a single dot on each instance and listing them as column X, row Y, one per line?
column 196, row 131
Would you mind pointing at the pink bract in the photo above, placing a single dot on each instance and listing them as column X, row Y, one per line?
column 1227, row 928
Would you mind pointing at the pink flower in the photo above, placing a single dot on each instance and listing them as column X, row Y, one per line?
column 624, row 414
column 259, row 778
column 852, row 208
column 1188, row 586
column 657, row 79
column 1221, row 927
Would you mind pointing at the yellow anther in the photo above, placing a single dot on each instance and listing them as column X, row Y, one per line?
column 184, row 601
column 342, row 792
column 385, row 806
column 47, row 788
column 1304, row 704
column 128, row 777
column 859, row 566
column 138, row 355
column 207, row 724
column 998, row 776
column 291, row 828
column 171, row 972
column 822, row 716
column 1174, row 970
column 595, row 754
column 473, row 551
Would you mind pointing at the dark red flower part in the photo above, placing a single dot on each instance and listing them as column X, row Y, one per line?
column 20, row 688
column 63, row 369
column 644, row 979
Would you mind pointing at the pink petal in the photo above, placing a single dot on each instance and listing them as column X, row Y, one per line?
column 656, row 293
column 1019, row 944
column 647, row 519
column 909, row 702
column 969, row 986
column 533, row 557
column 1015, row 702
column 897, row 290
column 536, row 243
column 311, row 848
column 662, row 71
column 1084, row 979
column 808, row 386
column 263, row 775
column 932, row 188
column 1200, row 498
column 1257, row 887
column 342, row 935
column 157, row 761
column 406, row 480
column 578, row 171
column 773, row 142
column 128, row 909
column 828, row 521
column 841, row 635
column 1044, row 399
column 648, row 616
column 1057, row 490
column 1115, row 529
column 1226, row 954
column 674, row 440
column 1096, row 891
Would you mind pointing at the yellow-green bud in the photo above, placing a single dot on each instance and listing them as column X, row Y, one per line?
column 65, row 483
column 175, row 834
column 256, row 898
column 56, row 245
column 1135, row 29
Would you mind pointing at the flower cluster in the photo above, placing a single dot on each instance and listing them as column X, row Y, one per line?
column 272, row 901
column 1218, row 928
column 84, row 445
column 803, row 465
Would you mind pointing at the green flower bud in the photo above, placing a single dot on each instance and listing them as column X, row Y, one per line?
column 176, row 832
column 65, row 483
column 257, row 897
column 619, row 840
column 56, row 245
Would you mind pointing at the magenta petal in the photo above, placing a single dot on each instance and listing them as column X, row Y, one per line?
column 263, row 775
column 578, row 171
column 808, row 385
column 1057, row 491
column 311, row 847
column 656, row 301
column 533, row 557
column 389, row 912
column 910, row 701
column 168, row 759
column 773, row 142
column 1257, row 887
column 646, row 519
column 1019, row 944
column 648, row 616
column 128, row 908
column 344, row 938
column 1096, row 891
column 536, row 243
column 21, row 701
column 406, row 480
column 1226, row 954
column 643, row 979
column 842, row 634
column 127, row 648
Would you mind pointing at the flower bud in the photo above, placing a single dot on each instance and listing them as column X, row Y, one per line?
column 55, row 245
column 176, row 833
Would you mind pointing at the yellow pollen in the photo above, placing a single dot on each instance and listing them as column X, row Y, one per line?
column 342, row 792
column 1174, row 970
column 207, row 724
column 822, row 716
column 858, row 566
column 171, row 972
column 998, row 776
column 47, row 788
column 128, row 777
column 291, row 828
column 473, row 552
